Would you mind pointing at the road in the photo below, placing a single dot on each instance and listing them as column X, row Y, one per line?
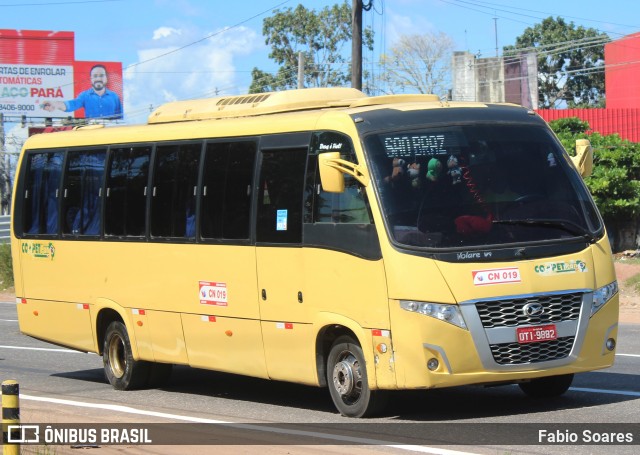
column 59, row 385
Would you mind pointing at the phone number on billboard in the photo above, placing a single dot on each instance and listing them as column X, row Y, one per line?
column 17, row 107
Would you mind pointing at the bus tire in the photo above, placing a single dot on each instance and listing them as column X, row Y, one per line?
column 122, row 371
column 347, row 380
column 549, row 387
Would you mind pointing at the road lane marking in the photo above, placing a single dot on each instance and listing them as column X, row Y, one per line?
column 69, row 351
column 8, row 320
column 627, row 393
column 247, row 426
column 629, row 355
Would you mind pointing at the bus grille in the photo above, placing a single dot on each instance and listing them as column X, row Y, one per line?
column 517, row 354
column 509, row 313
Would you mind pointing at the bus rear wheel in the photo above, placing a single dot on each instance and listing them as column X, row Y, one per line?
column 347, row 379
column 122, row 371
column 549, row 387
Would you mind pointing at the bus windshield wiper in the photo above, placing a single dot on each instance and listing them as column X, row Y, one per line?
column 565, row 225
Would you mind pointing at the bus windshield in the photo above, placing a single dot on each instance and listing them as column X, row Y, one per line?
column 479, row 185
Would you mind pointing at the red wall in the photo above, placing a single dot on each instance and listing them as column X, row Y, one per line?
column 625, row 122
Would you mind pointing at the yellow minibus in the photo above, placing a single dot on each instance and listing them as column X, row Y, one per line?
column 322, row 237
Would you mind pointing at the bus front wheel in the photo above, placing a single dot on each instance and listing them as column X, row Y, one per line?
column 347, row 379
column 548, row 387
column 122, row 371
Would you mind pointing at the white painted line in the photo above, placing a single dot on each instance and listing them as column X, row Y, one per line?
column 605, row 391
column 9, row 320
column 8, row 303
column 629, row 355
column 313, row 434
column 70, row 351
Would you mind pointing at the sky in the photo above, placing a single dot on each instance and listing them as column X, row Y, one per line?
column 183, row 49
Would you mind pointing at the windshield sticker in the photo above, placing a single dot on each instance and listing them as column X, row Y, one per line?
column 556, row 268
column 39, row 250
column 213, row 293
column 281, row 220
column 496, row 276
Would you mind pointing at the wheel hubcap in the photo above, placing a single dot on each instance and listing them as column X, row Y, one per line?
column 116, row 354
column 347, row 378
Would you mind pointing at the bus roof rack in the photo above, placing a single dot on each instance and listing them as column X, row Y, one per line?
column 255, row 104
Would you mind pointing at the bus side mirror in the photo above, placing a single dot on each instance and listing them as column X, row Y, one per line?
column 332, row 168
column 583, row 160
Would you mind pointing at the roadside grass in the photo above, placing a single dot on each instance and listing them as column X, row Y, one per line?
column 633, row 283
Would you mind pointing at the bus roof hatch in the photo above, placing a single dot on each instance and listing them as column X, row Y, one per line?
column 255, row 104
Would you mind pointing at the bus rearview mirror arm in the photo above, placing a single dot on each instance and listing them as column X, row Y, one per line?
column 583, row 160
column 332, row 168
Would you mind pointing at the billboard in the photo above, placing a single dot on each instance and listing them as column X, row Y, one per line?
column 39, row 77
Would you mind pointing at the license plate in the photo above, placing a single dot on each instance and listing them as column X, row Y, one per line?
column 536, row 334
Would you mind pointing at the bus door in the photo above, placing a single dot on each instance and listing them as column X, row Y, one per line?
column 284, row 314
column 222, row 327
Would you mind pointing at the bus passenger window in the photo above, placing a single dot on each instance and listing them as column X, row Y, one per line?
column 226, row 190
column 280, row 196
column 127, row 179
column 173, row 206
column 82, row 197
column 42, row 188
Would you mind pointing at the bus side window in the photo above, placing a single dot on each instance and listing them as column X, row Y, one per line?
column 175, row 179
column 280, row 196
column 127, row 179
column 82, row 195
column 226, row 190
column 41, row 194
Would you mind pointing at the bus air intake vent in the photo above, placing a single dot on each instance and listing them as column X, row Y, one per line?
column 509, row 312
column 249, row 99
column 518, row 354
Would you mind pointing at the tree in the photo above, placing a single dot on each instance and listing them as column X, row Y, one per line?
column 323, row 38
column 419, row 63
column 570, row 62
column 615, row 181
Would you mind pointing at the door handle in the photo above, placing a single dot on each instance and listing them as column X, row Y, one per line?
column 264, row 294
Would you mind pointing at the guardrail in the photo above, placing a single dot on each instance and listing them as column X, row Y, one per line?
column 5, row 228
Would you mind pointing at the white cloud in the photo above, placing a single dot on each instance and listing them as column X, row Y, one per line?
column 171, row 69
column 164, row 32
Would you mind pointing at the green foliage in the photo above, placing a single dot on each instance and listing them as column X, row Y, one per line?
column 323, row 37
column 6, row 266
column 615, row 181
column 570, row 62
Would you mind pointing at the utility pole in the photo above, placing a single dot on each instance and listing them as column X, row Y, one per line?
column 5, row 186
column 300, row 70
column 356, row 45
column 495, row 29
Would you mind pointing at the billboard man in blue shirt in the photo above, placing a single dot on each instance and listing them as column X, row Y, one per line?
column 98, row 101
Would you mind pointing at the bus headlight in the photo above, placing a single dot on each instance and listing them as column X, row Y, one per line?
column 443, row 312
column 603, row 295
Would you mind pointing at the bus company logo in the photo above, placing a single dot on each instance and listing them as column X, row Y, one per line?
column 557, row 268
column 39, row 250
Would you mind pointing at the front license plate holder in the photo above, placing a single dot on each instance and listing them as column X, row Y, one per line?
column 536, row 334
